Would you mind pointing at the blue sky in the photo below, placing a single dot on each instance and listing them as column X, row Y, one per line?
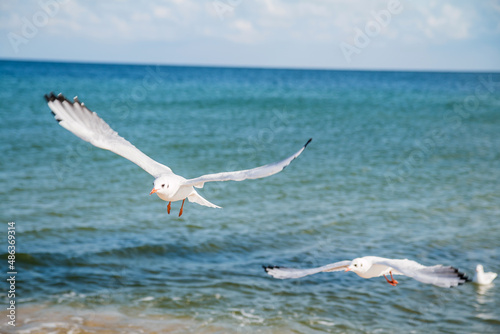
column 337, row 34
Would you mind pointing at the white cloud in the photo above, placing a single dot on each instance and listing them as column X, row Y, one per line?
column 162, row 12
column 440, row 22
column 319, row 20
column 299, row 26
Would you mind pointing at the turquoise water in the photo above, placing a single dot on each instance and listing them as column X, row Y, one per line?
column 402, row 165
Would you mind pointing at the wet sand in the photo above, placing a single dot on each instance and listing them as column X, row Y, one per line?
column 37, row 319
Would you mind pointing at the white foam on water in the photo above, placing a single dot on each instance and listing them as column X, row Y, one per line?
column 326, row 323
column 146, row 299
column 246, row 317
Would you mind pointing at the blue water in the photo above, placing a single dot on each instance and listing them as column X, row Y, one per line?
column 402, row 165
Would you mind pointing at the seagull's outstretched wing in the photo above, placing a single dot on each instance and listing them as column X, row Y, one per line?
column 282, row 272
column 87, row 125
column 439, row 275
column 255, row 173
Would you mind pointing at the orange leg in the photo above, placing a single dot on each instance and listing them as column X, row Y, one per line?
column 180, row 212
column 392, row 282
column 168, row 207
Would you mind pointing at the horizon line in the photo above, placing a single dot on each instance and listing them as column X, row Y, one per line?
column 256, row 67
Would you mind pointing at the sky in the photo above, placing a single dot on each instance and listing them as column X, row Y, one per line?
column 432, row 35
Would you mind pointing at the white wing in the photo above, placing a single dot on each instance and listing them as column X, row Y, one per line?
column 196, row 198
column 87, row 125
column 282, row 272
column 489, row 277
column 439, row 275
column 255, row 173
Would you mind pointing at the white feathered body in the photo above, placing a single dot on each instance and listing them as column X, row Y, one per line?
column 482, row 278
column 377, row 270
column 181, row 194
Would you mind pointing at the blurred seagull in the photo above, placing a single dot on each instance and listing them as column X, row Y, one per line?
column 372, row 266
column 87, row 125
column 482, row 278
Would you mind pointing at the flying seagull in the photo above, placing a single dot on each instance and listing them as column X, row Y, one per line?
column 482, row 278
column 373, row 266
column 87, row 125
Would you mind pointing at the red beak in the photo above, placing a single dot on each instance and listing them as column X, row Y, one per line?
column 153, row 191
column 347, row 269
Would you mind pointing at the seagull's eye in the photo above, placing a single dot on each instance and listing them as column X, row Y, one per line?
column 163, row 186
column 355, row 264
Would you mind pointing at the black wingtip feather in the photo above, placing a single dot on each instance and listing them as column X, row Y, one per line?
column 55, row 117
column 52, row 97
column 310, row 139
column 61, row 98
column 267, row 268
column 461, row 276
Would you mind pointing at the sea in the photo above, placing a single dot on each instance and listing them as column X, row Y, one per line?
column 401, row 165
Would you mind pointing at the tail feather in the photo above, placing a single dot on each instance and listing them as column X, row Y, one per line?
column 196, row 198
